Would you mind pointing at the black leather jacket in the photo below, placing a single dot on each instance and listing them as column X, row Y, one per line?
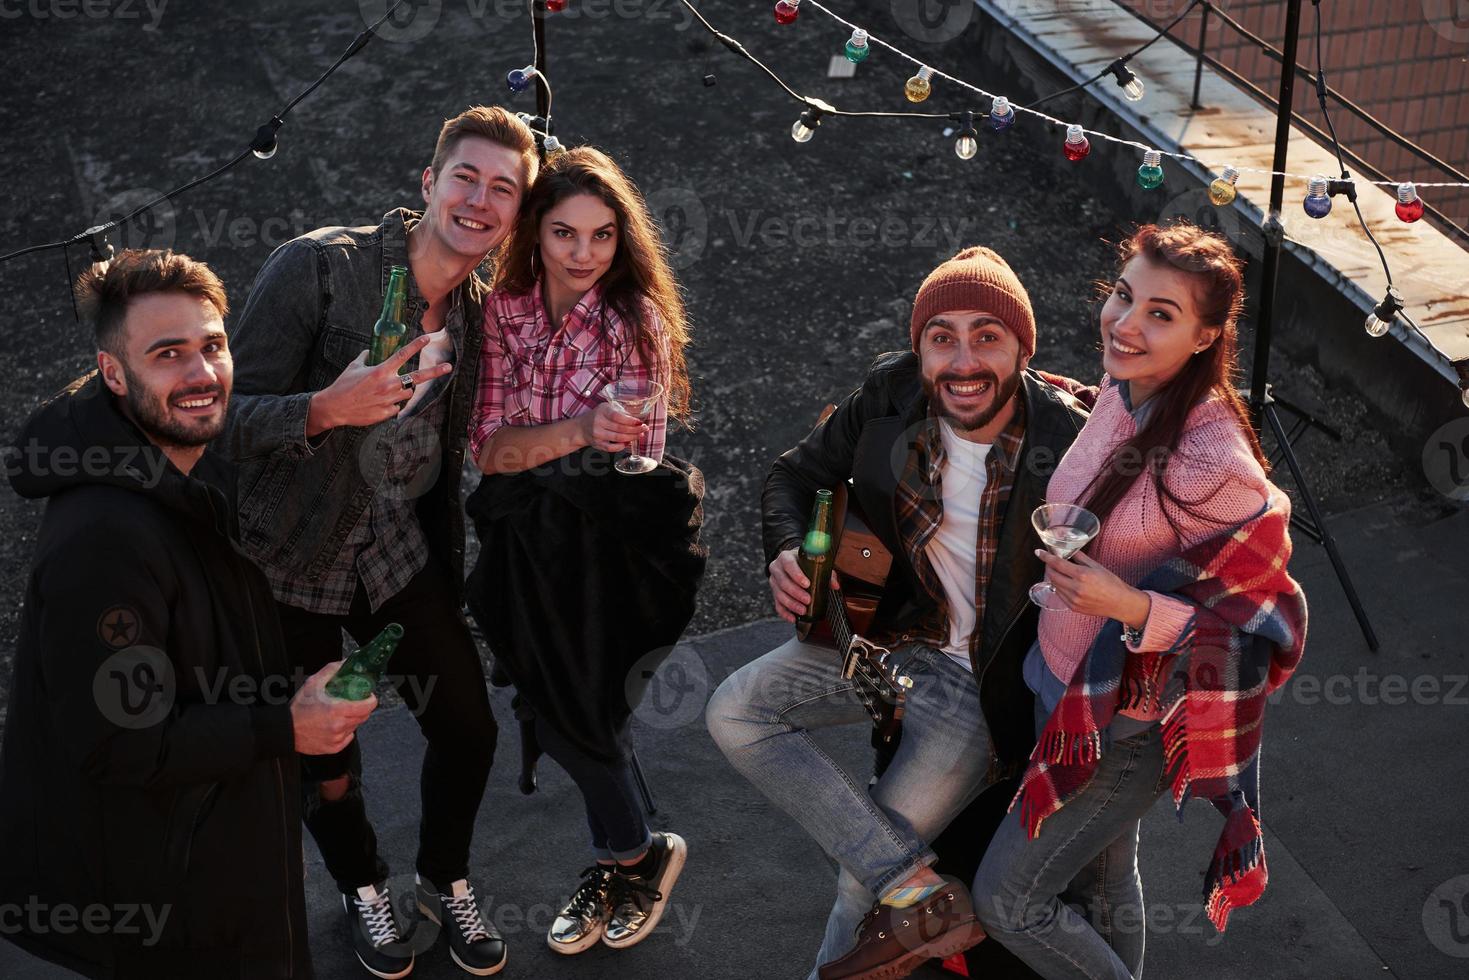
column 867, row 439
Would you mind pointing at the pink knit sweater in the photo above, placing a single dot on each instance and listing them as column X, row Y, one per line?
column 1213, row 465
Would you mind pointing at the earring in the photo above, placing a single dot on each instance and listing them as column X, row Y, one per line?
column 535, row 254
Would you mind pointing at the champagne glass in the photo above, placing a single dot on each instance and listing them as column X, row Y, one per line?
column 1064, row 529
column 636, row 397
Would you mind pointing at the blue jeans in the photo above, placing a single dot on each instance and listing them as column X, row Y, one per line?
column 1070, row 902
column 609, row 790
column 761, row 718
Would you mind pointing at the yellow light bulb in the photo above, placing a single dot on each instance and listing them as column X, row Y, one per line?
column 919, row 86
column 1221, row 191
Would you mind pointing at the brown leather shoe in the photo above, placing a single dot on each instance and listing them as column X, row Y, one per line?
column 895, row 942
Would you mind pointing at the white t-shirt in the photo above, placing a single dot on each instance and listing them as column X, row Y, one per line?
column 953, row 548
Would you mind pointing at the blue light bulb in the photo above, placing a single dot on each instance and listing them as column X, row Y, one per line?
column 1317, row 203
column 520, row 79
column 1002, row 116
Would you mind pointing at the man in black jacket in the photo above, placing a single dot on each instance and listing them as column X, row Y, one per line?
column 948, row 450
column 148, row 803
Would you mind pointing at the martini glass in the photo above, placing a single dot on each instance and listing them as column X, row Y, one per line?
column 636, row 397
column 1064, row 529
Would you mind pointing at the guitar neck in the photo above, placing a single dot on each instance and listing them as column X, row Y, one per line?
column 836, row 619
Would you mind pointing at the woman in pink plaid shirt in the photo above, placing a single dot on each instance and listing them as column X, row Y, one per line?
column 584, row 296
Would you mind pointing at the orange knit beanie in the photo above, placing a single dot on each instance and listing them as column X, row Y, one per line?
column 976, row 279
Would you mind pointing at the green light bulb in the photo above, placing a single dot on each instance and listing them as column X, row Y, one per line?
column 1150, row 174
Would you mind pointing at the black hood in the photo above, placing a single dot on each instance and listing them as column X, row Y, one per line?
column 80, row 437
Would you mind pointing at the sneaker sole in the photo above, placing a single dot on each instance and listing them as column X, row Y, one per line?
column 949, row 944
column 378, row 973
column 479, row 971
column 580, row 946
column 385, row 976
column 675, row 867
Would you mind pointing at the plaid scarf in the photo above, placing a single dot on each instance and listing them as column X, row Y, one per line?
column 1244, row 641
column 919, row 510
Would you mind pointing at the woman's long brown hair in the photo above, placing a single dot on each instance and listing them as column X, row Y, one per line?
column 1219, row 297
column 639, row 272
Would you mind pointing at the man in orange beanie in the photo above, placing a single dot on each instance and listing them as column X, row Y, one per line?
column 949, row 447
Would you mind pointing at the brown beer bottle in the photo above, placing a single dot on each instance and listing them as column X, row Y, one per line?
column 817, row 557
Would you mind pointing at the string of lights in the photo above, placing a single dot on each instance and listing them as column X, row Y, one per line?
column 919, row 87
column 1222, row 190
column 1409, row 209
column 263, row 146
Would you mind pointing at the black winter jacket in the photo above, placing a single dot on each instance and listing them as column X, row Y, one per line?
column 149, row 803
column 868, row 439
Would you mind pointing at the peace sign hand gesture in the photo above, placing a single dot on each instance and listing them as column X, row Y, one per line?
column 364, row 394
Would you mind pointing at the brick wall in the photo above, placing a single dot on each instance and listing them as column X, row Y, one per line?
column 1406, row 62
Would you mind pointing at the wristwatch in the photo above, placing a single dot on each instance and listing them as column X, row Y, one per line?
column 1132, row 635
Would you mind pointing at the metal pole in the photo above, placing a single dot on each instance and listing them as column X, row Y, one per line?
column 538, row 27
column 1270, row 268
column 1262, row 409
column 1199, row 62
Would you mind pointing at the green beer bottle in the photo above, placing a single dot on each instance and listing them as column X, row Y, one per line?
column 816, row 558
column 389, row 330
column 360, row 673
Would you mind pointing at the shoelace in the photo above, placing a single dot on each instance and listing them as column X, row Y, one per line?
column 622, row 887
column 591, row 894
column 377, row 913
column 466, row 916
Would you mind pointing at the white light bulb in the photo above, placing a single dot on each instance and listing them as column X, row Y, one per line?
column 802, row 133
column 966, row 147
column 1133, row 90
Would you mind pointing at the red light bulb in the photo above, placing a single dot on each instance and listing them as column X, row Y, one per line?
column 1409, row 207
column 786, row 11
column 1077, row 145
column 555, row 6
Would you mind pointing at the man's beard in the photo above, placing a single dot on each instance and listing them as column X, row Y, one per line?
column 1002, row 391
column 150, row 411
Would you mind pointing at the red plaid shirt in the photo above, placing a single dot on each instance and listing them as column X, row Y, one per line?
column 533, row 375
column 919, row 510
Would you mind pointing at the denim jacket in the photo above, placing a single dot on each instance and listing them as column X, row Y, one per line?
column 309, row 314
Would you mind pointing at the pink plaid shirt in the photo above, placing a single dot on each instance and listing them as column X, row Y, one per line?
column 533, row 375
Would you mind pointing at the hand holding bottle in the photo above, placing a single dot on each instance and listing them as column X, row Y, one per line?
column 323, row 724
column 790, row 586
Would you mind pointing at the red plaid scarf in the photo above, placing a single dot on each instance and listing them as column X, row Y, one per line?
column 1245, row 640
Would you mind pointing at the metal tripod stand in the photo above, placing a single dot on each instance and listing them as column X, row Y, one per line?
column 1262, row 399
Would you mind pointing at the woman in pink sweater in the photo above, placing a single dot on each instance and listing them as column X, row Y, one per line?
column 1167, row 461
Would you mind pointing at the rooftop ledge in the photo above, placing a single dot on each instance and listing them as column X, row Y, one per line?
column 1430, row 270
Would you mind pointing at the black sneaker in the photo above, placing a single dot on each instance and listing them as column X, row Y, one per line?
column 473, row 942
column 580, row 923
column 638, row 902
column 376, row 937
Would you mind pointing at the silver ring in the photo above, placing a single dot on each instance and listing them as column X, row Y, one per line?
column 406, row 381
